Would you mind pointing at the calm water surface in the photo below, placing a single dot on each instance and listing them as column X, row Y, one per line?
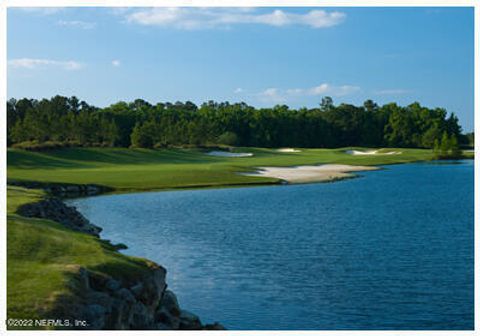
column 390, row 250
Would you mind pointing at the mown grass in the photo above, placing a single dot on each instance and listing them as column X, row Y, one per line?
column 144, row 169
column 44, row 258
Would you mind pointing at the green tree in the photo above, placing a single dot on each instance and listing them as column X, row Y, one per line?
column 228, row 138
column 447, row 148
column 455, row 151
column 139, row 123
column 326, row 104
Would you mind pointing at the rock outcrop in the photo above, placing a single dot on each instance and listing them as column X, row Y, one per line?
column 55, row 210
column 104, row 303
column 63, row 189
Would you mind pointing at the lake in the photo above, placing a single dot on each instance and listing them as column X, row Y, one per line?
column 393, row 249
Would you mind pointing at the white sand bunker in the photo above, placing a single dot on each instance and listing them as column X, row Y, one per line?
column 288, row 150
column 229, row 154
column 370, row 152
column 304, row 174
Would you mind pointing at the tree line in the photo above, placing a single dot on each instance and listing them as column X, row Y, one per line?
column 67, row 121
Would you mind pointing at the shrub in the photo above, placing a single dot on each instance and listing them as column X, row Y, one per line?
column 447, row 148
column 228, row 138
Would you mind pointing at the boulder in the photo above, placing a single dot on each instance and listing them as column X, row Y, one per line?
column 124, row 295
column 170, row 303
column 214, row 326
column 95, row 316
column 189, row 321
column 112, row 285
column 141, row 317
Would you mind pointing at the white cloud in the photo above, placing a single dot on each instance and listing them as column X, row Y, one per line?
column 322, row 19
column 205, row 18
column 327, row 89
column 116, row 63
column 33, row 63
column 77, row 24
column 238, row 90
column 41, row 10
column 272, row 95
column 276, row 95
column 387, row 92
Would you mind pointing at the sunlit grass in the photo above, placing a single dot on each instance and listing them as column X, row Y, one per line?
column 144, row 169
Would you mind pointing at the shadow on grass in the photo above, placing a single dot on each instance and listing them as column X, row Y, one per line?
column 92, row 157
column 29, row 160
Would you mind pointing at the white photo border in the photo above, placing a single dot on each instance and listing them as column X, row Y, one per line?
column 5, row 4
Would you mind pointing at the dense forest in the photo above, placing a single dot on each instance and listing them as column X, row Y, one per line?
column 63, row 121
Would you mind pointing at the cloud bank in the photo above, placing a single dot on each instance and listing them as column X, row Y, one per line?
column 276, row 95
column 77, row 24
column 33, row 63
column 209, row 18
column 43, row 11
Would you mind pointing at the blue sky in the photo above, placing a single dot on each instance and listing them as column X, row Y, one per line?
column 263, row 56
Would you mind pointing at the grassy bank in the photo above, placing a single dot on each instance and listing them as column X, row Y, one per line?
column 44, row 259
column 143, row 169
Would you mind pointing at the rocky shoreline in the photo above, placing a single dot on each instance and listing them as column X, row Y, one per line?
column 54, row 209
column 63, row 190
column 105, row 302
column 110, row 304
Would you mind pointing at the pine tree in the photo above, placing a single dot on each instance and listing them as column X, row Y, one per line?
column 436, row 149
column 454, row 148
column 444, row 145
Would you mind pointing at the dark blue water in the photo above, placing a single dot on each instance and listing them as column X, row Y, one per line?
column 391, row 250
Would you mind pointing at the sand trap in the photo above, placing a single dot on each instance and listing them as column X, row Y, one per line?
column 288, row 150
column 304, row 174
column 229, row 154
column 371, row 152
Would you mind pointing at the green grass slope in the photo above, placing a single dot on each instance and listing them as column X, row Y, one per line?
column 144, row 169
column 44, row 259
